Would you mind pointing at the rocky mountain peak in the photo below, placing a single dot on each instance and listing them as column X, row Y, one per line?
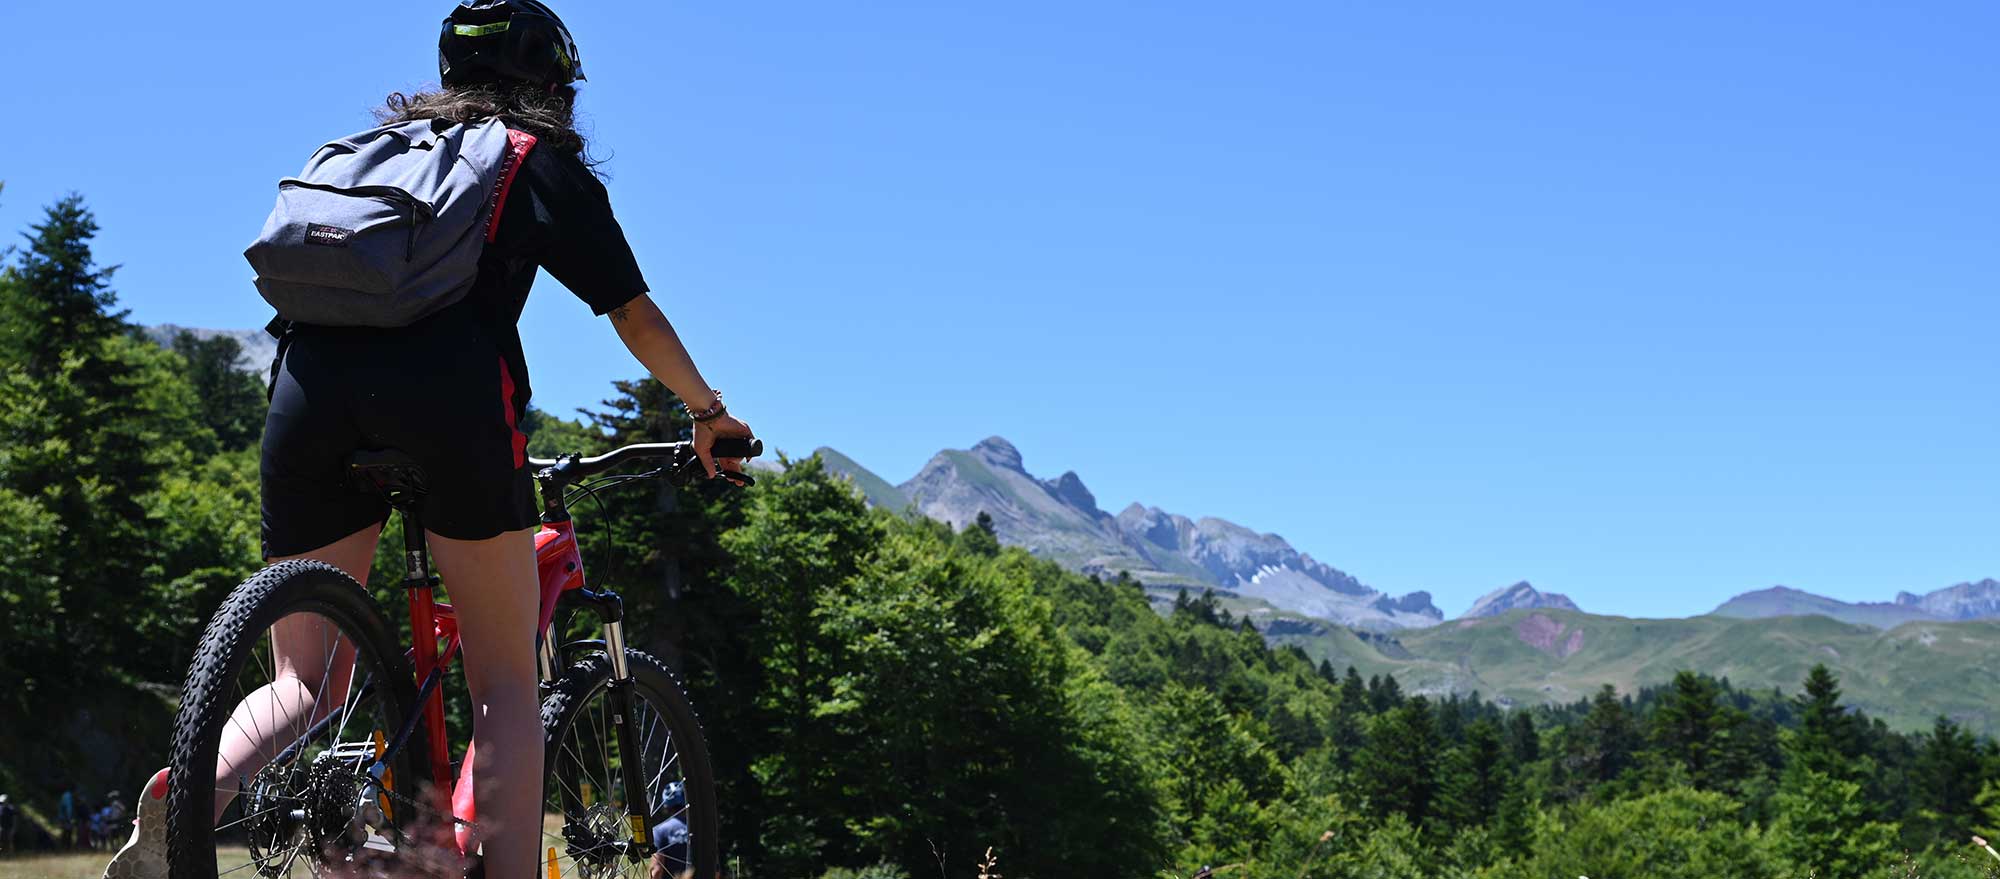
column 1964, row 601
column 1059, row 519
column 1418, row 602
column 1069, row 489
column 1156, row 526
column 258, row 346
column 998, row 452
column 1516, row 597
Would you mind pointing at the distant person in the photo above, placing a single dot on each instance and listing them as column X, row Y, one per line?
column 8, row 816
column 670, row 837
column 86, row 824
column 100, row 824
column 66, row 817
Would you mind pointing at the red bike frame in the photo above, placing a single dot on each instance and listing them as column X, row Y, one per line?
column 560, row 569
column 434, row 626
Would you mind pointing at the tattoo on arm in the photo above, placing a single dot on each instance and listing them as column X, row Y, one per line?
column 620, row 313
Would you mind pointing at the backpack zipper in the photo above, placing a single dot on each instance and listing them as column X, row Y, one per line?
column 414, row 208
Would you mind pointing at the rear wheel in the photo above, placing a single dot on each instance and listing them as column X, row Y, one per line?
column 586, row 793
column 304, row 726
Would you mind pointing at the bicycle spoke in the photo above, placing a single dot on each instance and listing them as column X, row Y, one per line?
column 326, row 670
column 353, row 692
column 575, row 795
column 589, row 776
column 610, row 777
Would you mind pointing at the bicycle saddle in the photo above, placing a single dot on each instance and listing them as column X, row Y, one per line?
column 388, row 472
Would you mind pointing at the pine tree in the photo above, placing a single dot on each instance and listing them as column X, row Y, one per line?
column 1384, row 693
column 1513, row 825
column 1345, row 733
column 1949, row 776
column 1398, row 769
column 1353, row 690
column 1826, row 740
column 1472, row 779
column 1292, row 732
column 61, row 304
column 1451, row 719
column 232, row 401
column 978, row 537
column 1691, row 726
column 94, row 419
column 1524, row 744
column 1600, row 747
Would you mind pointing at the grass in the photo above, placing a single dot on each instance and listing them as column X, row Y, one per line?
column 90, row 864
column 878, row 490
column 64, row 865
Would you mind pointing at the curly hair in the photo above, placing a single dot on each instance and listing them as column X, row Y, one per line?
column 548, row 114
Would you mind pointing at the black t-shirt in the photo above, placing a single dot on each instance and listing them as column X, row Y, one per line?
column 557, row 216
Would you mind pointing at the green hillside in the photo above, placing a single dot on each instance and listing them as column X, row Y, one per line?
column 877, row 490
column 1785, row 602
column 1907, row 675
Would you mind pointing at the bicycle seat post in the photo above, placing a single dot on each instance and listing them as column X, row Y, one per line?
column 416, row 555
column 397, row 479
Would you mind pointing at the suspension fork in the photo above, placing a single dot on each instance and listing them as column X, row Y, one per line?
column 638, row 800
column 619, row 693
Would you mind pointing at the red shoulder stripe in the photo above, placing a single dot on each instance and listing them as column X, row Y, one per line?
column 518, row 145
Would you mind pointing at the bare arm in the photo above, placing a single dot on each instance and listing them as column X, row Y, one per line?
column 647, row 333
column 650, row 337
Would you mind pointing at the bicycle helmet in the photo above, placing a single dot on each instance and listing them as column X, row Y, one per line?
column 672, row 797
column 498, row 40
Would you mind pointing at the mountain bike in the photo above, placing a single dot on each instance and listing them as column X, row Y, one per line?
column 364, row 781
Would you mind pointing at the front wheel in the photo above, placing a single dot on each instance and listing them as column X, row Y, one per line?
column 587, row 764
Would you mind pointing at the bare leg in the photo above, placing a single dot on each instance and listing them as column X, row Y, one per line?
column 495, row 592
column 308, row 657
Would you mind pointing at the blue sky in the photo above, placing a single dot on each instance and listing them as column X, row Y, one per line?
column 1645, row 306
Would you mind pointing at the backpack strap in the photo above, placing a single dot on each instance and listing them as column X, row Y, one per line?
column 279, row 329
column 518, row 145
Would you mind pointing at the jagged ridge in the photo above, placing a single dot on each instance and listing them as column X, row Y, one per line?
column 1059, row 519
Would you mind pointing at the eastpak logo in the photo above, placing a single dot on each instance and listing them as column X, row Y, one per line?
column 327, row 236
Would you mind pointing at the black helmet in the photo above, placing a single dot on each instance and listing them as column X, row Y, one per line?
column 494, row 40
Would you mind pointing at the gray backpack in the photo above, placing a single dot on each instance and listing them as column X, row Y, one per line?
column 384, row 227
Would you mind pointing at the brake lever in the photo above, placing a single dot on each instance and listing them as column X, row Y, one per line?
column 714, row 489
column 690, row 472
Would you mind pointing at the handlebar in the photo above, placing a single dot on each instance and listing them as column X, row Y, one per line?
column 682, row 464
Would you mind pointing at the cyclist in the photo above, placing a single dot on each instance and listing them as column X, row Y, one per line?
column 450, row 391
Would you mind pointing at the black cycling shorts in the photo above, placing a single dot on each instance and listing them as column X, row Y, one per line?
column 439, row 391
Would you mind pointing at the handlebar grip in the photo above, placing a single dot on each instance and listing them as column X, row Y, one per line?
column 733, row 447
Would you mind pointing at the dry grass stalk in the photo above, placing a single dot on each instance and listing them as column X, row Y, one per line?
column 1989, row 849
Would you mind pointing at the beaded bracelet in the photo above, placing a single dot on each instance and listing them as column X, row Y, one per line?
column 711, row 413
